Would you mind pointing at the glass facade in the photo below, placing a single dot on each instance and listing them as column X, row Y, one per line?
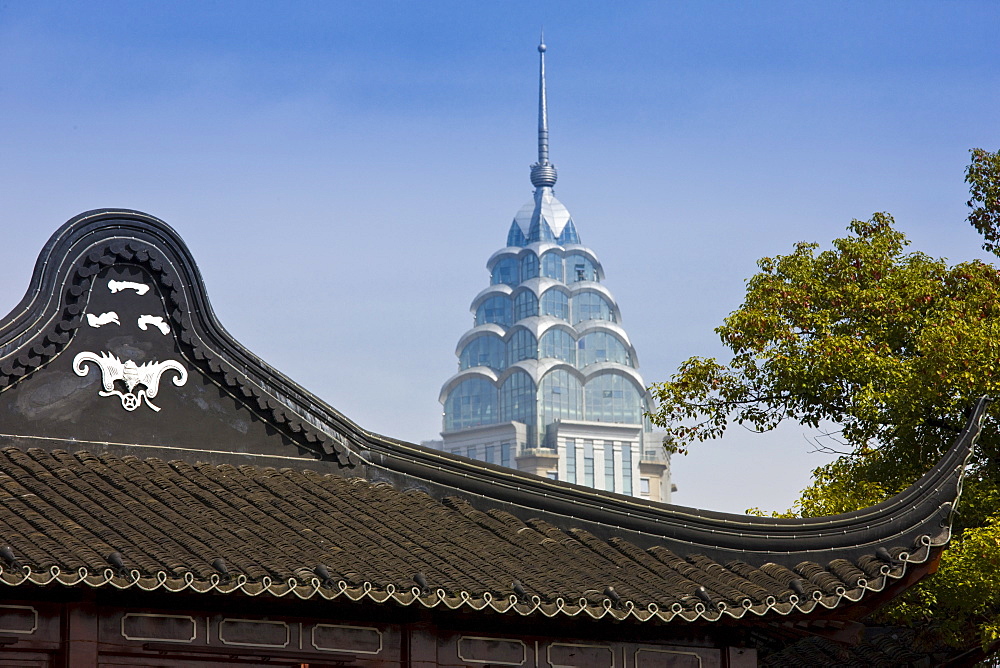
column 541, row 400
column 529, row 266
column 591, row 306
column 597, row 347
column 613, row 398
column 472, row 403
column 525, row 305
column 540, row 230
column 579, row 267
column 486, row 350
column 505, row 271
column 568, row 234
column 552, row 265
column 560, row 397
column 496, row 310
column 517, row 399
column 558, row 343
column 554, row 368
column 516, row 237
column 555, row 302
column 522, row 346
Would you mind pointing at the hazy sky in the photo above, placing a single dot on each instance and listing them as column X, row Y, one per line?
column 342, row 170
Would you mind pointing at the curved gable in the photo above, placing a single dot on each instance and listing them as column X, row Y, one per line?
column 116, row 343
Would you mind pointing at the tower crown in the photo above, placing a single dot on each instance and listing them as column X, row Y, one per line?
column 548, row 379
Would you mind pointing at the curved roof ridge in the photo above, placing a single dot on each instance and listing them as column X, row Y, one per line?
column 916, row 518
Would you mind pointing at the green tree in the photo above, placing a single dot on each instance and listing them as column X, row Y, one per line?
column 984, row 186
column 892, row 346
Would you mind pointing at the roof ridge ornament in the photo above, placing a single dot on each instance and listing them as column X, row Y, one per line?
column 543, row 173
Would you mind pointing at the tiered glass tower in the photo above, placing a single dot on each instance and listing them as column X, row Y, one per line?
column 548, row 380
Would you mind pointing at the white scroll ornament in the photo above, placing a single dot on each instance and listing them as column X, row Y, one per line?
column 146, row 375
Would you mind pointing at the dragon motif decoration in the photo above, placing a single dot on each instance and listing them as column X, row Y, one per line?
column 145, row 377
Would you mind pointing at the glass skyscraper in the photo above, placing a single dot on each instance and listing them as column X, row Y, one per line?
column 548, row 380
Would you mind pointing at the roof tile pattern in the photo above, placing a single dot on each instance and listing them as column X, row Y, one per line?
column 283, row 531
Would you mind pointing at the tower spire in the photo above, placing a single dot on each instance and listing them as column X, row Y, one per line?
column 543, row 173
column 543, row 112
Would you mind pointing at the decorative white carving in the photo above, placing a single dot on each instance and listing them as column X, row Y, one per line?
column 147, row 375
column 103, row 319
column 155, row 320
column 118, row 286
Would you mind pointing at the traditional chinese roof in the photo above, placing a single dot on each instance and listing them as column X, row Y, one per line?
column 142, row 448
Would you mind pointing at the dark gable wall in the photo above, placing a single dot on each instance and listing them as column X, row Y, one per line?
column 55, row 402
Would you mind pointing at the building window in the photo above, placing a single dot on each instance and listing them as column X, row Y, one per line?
column 612, row 397
column 591, row 306
column 529, row 266
column 553, row 475
column 495, row 309
column 515, row 237
column 644, row 487
column 473, row 402
column 555, row 303
column 588, row 463
column 517, row 399
column 571, row 460
column 506, row 456
column 525, row 305
column 583, row 268
column 504, row 271
column 598, row 347
column 561, row 397
column 609, row 466
column 568, row 235
column 521, row 346
column 540, row 231
column 488, row 351
column 627, row 468
column 552, row 266
column 558, row 343
column 491, row 454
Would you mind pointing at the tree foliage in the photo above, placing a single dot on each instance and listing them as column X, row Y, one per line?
column 892, row 346
column 984, row 186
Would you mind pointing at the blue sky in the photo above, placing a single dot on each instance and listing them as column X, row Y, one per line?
column 342, row 171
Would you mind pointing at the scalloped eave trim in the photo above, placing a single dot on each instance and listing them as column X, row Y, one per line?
column 315, row 588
